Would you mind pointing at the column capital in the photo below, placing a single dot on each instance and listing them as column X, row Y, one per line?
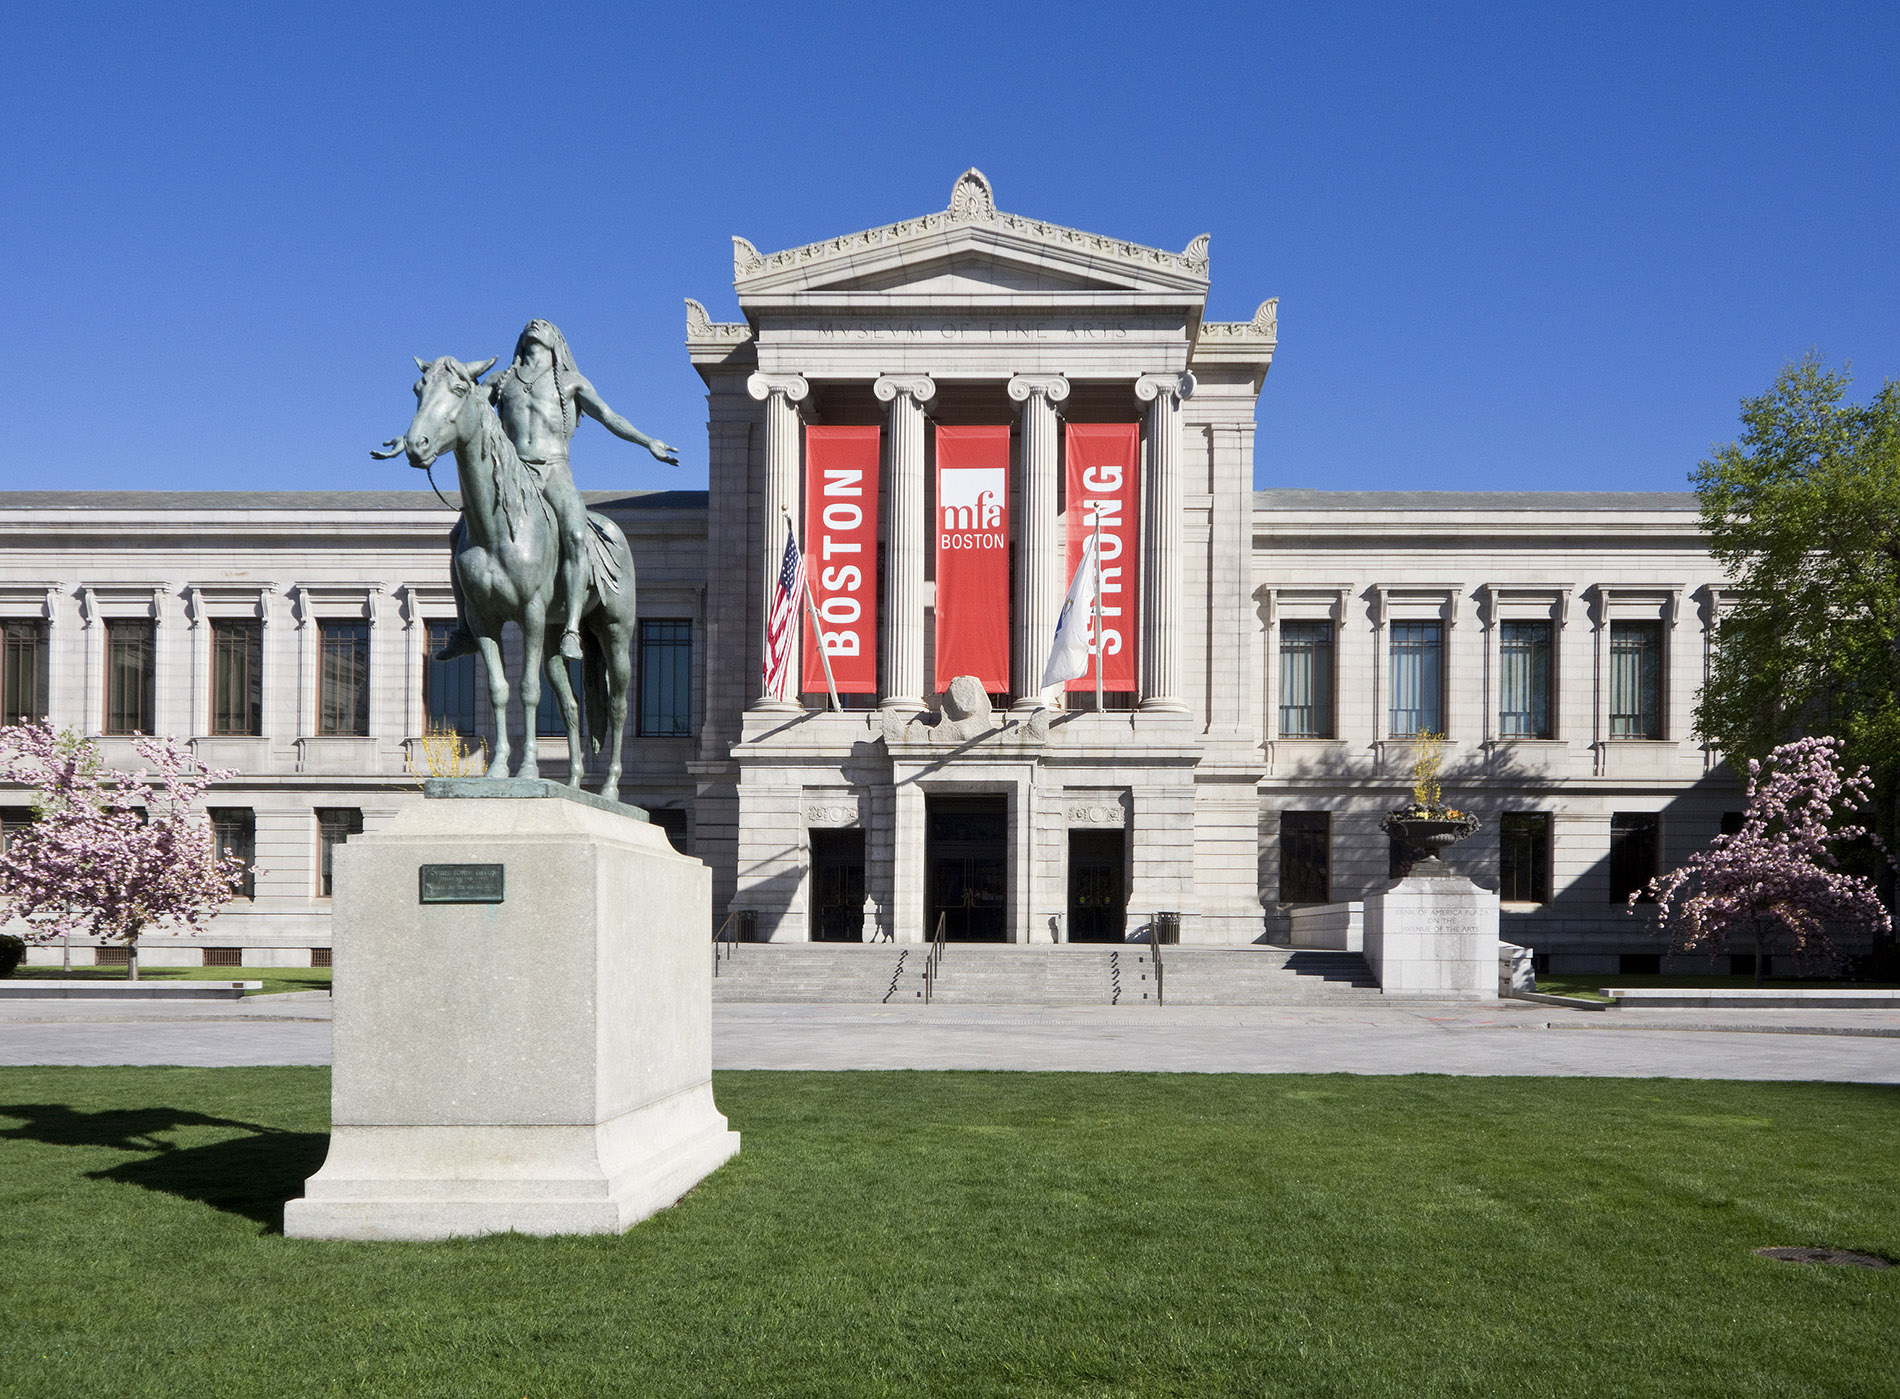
column 1053, row 387
column 1152, row 386
column 919, row 387
column 792, row 386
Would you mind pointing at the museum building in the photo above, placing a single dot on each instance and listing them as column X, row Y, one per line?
column 949, row 413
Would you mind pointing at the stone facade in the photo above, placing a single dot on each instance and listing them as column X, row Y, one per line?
column 1176, row 804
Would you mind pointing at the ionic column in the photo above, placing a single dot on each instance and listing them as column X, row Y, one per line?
column 1038, row 579
column 904, row 563
column 781, row 395
column 1161, row 543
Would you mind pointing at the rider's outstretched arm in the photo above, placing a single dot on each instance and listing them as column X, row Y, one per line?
column 596, row 408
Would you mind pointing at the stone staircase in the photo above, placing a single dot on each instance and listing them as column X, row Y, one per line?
column 1068, row 974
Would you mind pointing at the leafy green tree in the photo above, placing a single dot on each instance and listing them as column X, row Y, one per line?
column 1804, row 514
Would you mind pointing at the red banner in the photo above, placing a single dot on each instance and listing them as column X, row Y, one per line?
column 1103, row 482
column 841, row 556
column 973, row 556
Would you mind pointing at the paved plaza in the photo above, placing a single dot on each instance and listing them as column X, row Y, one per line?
column 1508, row 1039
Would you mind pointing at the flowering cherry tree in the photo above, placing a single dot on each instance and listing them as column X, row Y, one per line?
column 1778, row 872
column 110, row 853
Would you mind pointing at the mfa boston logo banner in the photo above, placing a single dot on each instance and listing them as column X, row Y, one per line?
column 973, row 556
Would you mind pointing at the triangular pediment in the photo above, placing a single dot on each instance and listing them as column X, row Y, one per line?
column 971, row 248
column 971, row 271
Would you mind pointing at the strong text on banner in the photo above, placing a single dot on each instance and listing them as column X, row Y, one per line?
column 841, row 555
column 973, row 556
column 1103, row 485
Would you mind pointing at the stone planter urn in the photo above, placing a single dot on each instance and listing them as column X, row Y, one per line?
column 1424, row 835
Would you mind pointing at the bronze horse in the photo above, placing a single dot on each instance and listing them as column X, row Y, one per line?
column 506, row 567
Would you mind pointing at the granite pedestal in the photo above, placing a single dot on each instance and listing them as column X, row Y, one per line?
column 1434, row 933
column 534, row 1054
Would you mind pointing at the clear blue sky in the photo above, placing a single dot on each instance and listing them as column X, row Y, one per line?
column 1516, row 246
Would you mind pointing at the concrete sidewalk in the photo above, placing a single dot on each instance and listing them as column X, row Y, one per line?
column 1510, row 1038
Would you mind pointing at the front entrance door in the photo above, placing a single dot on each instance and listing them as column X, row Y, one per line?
column 1097, row 905
column 837, row 886
column 966, row 854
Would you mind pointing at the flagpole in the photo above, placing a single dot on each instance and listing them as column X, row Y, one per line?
column 817, row 631
column 1100, row 657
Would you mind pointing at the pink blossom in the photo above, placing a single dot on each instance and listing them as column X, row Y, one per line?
column 110, row 853
column 1779, row 871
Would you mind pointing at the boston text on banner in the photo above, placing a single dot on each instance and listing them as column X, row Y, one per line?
column 973, row 556
column 1102, row 482
column 841, row 555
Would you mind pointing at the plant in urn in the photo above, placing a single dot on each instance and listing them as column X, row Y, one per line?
column 1425, row 825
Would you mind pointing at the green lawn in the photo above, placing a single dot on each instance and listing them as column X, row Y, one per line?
column 1592, row 986
column 275, row 979
column 970, row 1234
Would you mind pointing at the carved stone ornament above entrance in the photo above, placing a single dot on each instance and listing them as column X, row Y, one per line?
column 967, row 717
column 1086, row 815
column 831, row 814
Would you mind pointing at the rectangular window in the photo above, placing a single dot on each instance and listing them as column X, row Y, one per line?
column 129, row 675
column 547, row 710
column 1634, row 844
column 1418, row 678
column 224, row 957
column 237, row 676
column 13, row 818
column 1524, row 680
column 235, row 829
column 1306, row 679
column 343, row 679
column 335, row 826
column 1524, row 857
column 666, row 679
column 1305, row 857
column 1636, row 680
column 448, row 687
column 672, row 820
column 22, row 671
column 1732, row 823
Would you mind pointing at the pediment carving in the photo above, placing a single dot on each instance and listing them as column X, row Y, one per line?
column 972, row 220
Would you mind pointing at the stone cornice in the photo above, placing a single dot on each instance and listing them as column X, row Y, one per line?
column 702, row 331
column 1263, row 329
column 972, row 203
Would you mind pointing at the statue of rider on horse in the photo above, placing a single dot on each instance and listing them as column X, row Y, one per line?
column 526, row 549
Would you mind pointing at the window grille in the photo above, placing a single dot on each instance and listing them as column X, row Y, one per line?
column 1306, row 679
column 335, row 826
column 1524, row 857
column 128, row 676
column 666, row 678
column 448, row 687
column 1418, row 678
column 343, row 678
column 1524, row 680
column 224, row 957
column 547, row 710
column 235, row 830
column 237, row 677
column 1305, row 857
column 22, row 671
column 1634, row 845
column 1636, row 680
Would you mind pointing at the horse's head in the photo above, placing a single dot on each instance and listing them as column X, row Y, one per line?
column 443, row 394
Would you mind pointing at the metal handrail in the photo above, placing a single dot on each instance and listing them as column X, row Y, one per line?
column 934, row 961
column 1161, row 976
column 719, row 935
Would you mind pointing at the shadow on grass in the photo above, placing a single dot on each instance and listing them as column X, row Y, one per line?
column 249, row 1175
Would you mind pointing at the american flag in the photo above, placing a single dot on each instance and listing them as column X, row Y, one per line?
column 782, row 626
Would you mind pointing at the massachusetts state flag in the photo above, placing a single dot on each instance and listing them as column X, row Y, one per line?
column 782, row 626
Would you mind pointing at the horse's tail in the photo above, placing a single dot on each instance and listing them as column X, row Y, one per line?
column 594, row 688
